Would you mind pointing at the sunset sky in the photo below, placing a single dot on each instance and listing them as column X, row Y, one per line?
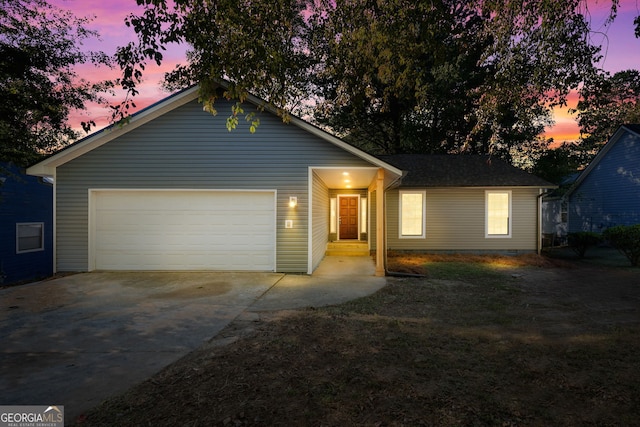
column 621, row 51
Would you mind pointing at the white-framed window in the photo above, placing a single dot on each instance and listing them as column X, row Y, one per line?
column 498, row 213
column 29, row 237
column 412, row 214
column 333, row 216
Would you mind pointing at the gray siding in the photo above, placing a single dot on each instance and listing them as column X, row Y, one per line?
column 455, row 221
column 189, row 148
column 610, row 194
column 319, row 220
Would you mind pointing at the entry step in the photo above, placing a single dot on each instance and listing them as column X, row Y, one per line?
column 347, row 249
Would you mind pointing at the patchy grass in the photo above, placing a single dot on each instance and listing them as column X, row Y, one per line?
column 601, row 255
column 422, row 263
column 479, row 341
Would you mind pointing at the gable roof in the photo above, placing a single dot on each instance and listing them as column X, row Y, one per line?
column 464, row 170
column 627, row 128
column 47, row 166
column 635, row 128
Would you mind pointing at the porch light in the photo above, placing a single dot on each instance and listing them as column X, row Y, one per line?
column 293, row 201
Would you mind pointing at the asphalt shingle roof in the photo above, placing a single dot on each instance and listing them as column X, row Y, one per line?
column 464, row 170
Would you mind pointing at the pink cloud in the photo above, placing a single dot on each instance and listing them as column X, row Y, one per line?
column 150, row 91
column 108, row 19
column 565, row 128
column 620, row 49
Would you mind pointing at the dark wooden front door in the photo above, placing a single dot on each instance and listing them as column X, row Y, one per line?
column 348, row 217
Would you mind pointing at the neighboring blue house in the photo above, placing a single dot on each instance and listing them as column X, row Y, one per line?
column 607, row 192
column 26, row 226
column 554, row 213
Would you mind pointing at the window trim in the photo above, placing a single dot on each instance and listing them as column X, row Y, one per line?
column 486, row 215
column 333, row 215
column 41, row 248
column 364, row 209
column 424, row 214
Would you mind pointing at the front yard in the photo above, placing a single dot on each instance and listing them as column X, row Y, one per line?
column 478, row 341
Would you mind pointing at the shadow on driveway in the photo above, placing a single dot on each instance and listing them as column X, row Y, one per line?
column 76, row 340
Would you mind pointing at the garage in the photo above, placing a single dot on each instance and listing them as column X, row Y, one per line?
column 182, row 230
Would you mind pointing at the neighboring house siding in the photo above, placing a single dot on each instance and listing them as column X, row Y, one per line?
column 188, row 148
column 610, row 193
column 24, row 199
column 455, row 221
column 320, row 220
column 554, row 221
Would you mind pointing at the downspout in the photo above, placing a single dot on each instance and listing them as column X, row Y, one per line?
column 539, row 221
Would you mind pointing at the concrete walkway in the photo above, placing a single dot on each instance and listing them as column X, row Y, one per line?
column 76, row 340
column 337, row 279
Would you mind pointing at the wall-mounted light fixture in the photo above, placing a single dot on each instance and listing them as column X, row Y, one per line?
column 293, row 201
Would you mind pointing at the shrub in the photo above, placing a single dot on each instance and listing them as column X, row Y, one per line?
column 582, row 241
column 626, row 239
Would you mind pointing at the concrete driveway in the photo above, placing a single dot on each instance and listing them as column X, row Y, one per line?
column 76, row 340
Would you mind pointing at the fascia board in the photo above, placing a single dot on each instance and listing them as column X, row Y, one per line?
column 48, row 165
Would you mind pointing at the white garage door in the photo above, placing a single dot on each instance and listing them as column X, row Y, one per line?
column 182, row 230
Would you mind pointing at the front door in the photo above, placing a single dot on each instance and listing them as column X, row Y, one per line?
column 348, row 217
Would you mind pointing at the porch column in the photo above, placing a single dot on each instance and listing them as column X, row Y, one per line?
column 381, row 245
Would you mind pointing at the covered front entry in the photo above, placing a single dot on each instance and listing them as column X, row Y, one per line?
column 347, row 204
column 182, row 230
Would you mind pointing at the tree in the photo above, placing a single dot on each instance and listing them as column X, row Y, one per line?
column 625, row 238
column 606, row 103
column 259, row 47
column 479, row 75
column 39, row 45
column 399, row 74
column 556, row 164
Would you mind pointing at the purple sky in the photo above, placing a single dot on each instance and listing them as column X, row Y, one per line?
column 621, row 51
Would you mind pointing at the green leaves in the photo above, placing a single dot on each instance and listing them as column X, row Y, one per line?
column 39, row 87
column 445, row 76
column 259, row 47
column 232, row 121
column 581, row 241
column 625, row 238
column 606, row 103
column 255, row 122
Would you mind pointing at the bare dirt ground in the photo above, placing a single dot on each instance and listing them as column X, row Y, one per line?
column 504, row 341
